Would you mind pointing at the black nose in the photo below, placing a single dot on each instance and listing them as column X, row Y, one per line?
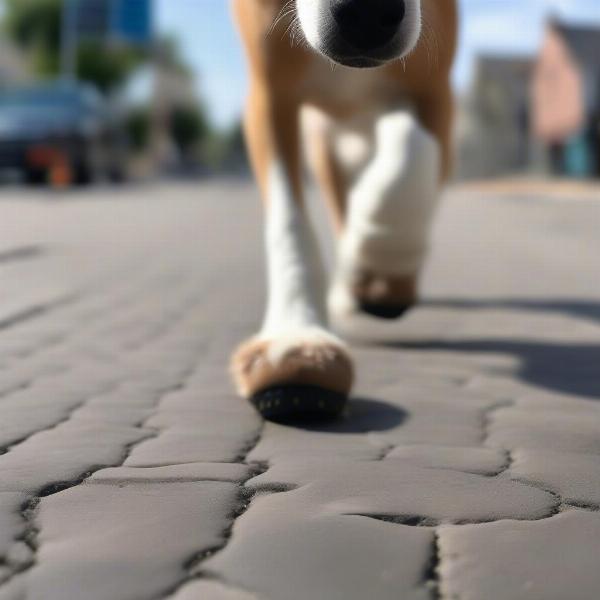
column 367, row 24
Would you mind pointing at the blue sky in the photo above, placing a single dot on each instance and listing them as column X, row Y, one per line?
column 210, row 44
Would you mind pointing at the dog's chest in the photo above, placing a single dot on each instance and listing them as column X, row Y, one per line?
column 344, row 91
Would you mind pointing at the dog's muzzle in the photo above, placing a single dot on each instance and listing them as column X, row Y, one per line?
column 367, row 26
column 361, row 33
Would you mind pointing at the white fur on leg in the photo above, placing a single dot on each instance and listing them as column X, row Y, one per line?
column 294, row 269
column 296, row 312
column 390, row 207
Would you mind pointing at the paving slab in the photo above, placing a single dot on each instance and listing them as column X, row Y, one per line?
column 482, row 461
column 278, row 442
column 178, row 447
column 213, row 590
column 400, row 492
column 279, row 555
column 126, row 541
column 174, row 473
column 553, row 430
column 63, row 454
column 552, row 559
column 575, row 477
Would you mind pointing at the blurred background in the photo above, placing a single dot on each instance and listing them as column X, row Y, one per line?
column 121, row 90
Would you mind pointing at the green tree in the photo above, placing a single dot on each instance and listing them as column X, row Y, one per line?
column 35, row 25
column 189, row 126
column 138, row 125
column 106, row 67
column 225, row 150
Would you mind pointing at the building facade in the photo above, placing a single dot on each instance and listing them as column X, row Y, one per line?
column 493, row 120
column 565, row 99
column 539, row 113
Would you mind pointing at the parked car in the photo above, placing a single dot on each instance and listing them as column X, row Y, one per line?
column 61, row 132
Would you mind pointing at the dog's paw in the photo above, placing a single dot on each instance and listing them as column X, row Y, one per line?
column 306, row 358
column 381, row 296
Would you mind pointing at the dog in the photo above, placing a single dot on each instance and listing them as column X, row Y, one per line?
column 362, row 88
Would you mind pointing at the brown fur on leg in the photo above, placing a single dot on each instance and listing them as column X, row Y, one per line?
column 318, row 364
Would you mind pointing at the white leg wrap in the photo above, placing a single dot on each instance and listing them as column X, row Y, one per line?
column 391, row 206
column 296, row 313
column 294, row 269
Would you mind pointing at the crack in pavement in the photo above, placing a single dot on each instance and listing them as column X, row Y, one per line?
column 431, row 576
column 407, row 520
column 35, row 311
column 29, row 509
column 20, row 253
column 193, row 566
column 68, row 415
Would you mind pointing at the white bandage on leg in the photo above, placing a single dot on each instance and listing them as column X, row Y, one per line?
column 391, row 206
column 296, row 315
column 294, row 270
column 393, row 202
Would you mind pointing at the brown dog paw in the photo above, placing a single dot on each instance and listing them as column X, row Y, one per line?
column 384, row 296
column 381, row 296
column 306, row 358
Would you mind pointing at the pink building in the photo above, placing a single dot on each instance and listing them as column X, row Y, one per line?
column 565, row 99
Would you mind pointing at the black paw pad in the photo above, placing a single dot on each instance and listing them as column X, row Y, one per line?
column 384, row 311
column 299, row 403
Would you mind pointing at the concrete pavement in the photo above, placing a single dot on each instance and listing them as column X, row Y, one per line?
column 467, row 467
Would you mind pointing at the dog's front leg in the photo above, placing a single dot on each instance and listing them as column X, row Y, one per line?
column 294, row 364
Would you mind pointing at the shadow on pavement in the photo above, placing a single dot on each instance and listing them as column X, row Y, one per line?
column 362, row 415
column 579, row 309
column 566, row 368
column 557, row 366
